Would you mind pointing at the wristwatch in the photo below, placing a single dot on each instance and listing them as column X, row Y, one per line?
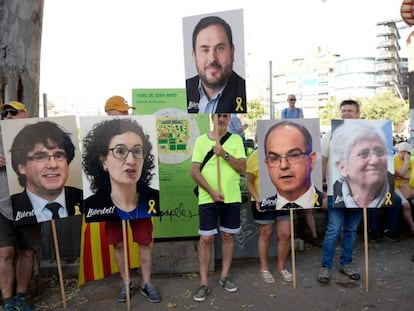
column 226, row 156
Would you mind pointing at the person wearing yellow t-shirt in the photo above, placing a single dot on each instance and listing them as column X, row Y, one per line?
column 403, row 171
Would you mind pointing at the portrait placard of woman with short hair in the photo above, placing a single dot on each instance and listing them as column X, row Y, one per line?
column 363, row 167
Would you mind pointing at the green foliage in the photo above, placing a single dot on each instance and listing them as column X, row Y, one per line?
column 255, row 111
column 330, row 112
column 385, row 106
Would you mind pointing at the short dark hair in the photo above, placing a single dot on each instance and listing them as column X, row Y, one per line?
column 95, row 147
column 306, row 135
column 48, row 133
column 349, row 102
column 207, row 22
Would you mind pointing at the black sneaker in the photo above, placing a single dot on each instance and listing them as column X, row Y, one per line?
column 391, row 236
column 228, row 285
column 317, row 242
column 375, row 237
column 150, row 292
column 201, row 294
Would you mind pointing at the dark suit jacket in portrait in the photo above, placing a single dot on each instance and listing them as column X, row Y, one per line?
column 23, row 212
column 269, row 204
column 232, row 100
column 338, row 200
column 99, row 207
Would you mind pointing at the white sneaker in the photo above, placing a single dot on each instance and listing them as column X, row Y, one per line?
column 286, row 275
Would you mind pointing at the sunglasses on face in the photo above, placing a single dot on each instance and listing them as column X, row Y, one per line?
column 13, row 112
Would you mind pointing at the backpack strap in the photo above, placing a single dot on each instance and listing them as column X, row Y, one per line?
column 211, row 152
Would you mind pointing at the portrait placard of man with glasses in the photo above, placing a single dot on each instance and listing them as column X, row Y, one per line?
column 41, row 154
column 289, row 168
column 362, row 163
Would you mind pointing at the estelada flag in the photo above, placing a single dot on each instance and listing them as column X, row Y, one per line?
column 97, row 256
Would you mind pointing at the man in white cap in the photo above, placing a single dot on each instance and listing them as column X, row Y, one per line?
column 117, row 105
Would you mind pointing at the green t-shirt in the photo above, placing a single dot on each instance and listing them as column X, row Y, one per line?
column 230, row 179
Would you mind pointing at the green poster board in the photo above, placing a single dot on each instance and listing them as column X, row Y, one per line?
column 176, row 133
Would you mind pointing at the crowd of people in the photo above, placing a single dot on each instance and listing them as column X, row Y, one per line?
column 118, row 161
column 119, row 145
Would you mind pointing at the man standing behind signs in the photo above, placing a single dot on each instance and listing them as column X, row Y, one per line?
column 19, row 241
column 343, row 221
column 117, row 106
column 290, row 158
column 217, row 88
column 119, row 162
column 292, row 112
column 218, row 204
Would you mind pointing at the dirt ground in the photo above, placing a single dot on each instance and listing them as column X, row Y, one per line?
column 389, row 286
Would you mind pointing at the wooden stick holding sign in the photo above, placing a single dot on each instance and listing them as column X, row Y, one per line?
column 366, row 248
column 126, row 265
column 216, row 134
column 292, row 247
column 58, row 262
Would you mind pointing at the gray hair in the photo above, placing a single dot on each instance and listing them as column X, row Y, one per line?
column 348, row 134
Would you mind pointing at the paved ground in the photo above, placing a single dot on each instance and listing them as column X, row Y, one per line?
column 390, row 286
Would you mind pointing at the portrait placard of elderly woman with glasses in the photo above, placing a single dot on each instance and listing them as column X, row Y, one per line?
column 119, row 162
column 362, row 163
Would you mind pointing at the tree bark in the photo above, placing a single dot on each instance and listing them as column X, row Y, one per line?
column 20, row 42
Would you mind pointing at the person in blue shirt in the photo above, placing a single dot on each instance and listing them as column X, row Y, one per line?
column 292, row 112
column 236, row 127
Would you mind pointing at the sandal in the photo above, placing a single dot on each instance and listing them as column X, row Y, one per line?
column 286, row 275
column 267, row 276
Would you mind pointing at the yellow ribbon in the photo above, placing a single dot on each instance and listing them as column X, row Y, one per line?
column 239, row 102
column 388, row 199
column 77, row 210
column 315, row 199
column 151, row 209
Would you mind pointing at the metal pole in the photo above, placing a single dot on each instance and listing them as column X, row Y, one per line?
column 271, row 107
column 411, row 89
column 397, row 89
column 45, row 105
column 411, row 103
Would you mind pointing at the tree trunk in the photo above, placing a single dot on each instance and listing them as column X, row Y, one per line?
column 20, row 41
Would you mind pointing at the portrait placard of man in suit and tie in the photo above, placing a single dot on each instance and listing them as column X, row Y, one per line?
column 41, row 154
column 289, row 159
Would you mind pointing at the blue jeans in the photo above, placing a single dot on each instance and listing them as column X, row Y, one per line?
column 339, row 219
column 392, row 216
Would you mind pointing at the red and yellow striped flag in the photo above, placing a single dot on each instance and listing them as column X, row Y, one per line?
column 97, row 256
